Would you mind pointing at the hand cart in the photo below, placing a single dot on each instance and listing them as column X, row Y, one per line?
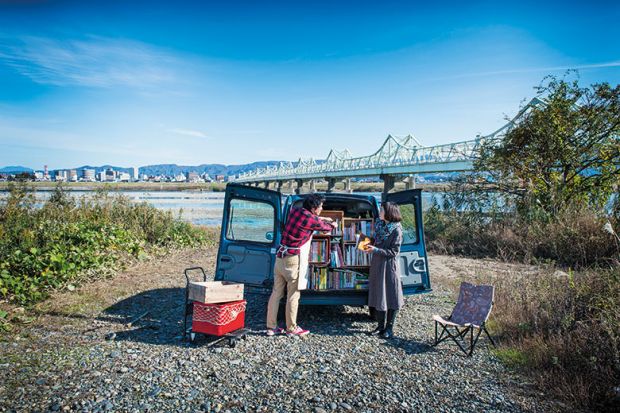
column 231, row 336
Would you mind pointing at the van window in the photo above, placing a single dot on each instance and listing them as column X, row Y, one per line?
column 250, row 221
column 409, row 224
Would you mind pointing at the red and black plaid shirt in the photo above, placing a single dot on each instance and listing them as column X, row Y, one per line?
column 299, row 227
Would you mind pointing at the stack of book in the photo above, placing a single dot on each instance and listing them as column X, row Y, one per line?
column 319, row 251
column 353, row 227
column 336, row 259
column 337, row 232
column 322, row 278
column 353, row 257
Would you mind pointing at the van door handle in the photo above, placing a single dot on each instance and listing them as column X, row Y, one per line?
column 419, row 265
column 226, row 262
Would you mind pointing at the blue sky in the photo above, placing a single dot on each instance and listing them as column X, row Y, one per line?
column 132, row 83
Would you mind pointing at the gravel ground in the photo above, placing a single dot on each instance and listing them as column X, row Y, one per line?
column 92, row 360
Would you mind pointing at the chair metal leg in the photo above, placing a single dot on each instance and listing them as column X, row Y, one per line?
column 488, row 335
column 439, row 338
column 473, row 341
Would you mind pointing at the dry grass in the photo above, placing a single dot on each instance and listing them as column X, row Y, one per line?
column 573, row 238
column 561, row 328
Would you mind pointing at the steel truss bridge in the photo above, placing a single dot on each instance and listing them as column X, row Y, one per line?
column 399, row 158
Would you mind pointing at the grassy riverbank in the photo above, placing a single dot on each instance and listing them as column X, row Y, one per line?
column 210, row 187
column 67, row 240
column 561, row 325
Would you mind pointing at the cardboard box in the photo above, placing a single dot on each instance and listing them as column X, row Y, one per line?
column 212, row 292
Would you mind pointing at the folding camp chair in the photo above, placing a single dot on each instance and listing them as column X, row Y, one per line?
column 470, row 312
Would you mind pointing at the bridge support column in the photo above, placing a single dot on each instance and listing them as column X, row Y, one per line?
column 300, row 183
column 410, row 182
column 279, row 186
column 312, row 186
column 347, row 185
column 331, row 184
column 256, row 184
column 388, row 183
column 289, row 185
column 266, row 183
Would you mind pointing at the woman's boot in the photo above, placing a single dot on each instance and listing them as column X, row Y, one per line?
column 381, row 326
column 391, row 316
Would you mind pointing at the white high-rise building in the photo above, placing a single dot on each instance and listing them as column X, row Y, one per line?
column 88, row 175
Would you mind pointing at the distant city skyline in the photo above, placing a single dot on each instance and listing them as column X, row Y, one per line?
column 145, row 83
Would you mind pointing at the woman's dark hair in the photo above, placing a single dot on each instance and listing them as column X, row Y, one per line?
column 313, row 201
column 391, row 212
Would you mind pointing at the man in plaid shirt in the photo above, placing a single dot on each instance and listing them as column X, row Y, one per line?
column 300, row 225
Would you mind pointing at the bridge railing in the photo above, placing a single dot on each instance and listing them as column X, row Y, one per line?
column 395, row 152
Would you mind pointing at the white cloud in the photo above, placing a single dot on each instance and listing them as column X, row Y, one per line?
column 536, row 70
column 188, row 132
column 94, row 62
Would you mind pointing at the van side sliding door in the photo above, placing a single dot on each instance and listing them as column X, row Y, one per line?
column 249, row 236
column 413, row 259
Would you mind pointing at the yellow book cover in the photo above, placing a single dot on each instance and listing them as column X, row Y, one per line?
column 362, row 241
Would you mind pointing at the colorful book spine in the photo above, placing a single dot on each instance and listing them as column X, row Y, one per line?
column 322, row 278
column 319, row 252
column 355, row 257
column 355, row 227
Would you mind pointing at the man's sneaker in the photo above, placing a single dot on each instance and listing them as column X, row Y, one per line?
column 297, row 332
column 273, row 331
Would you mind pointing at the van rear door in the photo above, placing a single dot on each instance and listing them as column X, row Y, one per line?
column 413, row 259
column 249, row 235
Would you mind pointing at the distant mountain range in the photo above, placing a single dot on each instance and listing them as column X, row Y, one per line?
column 164, row 169
column 15, row 170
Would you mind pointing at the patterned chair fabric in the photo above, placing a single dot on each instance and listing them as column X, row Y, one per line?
column 474, row 304
column 471, row 311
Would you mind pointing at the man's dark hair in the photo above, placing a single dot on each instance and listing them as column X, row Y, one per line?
column 391, row 212
column 313, row 201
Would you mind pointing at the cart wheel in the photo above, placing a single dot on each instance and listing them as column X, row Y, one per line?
column 192, row 337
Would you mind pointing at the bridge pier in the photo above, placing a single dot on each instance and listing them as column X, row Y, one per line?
column 331, row 184
column 300, row 183
column 312, row 186
column 388, row 183
column 347, row 185
column 289, row 184
column 410, row 182
column 266, row 183
column 279, row 186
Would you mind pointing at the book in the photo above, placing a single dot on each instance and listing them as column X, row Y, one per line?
column 356, row 258
column 354, row 226
column 362, row 241
column 319, row 251
column 322, row 278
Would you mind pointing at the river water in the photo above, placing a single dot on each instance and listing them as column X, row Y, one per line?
column 197, row 207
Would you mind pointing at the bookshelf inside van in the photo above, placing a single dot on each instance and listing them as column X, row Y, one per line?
column 335, row 261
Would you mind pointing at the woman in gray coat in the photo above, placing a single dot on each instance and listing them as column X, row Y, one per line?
column 385, row 292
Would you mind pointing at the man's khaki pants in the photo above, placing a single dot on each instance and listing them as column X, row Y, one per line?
column 286, row 276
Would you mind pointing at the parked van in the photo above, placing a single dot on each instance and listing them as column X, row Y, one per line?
column 253, row 222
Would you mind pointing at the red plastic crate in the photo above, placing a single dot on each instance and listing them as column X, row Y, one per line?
column 218, row 319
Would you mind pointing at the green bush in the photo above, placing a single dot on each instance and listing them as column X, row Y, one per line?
column 61, row 242
column 575, row 237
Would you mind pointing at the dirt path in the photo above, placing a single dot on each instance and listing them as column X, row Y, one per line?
column 81, row 354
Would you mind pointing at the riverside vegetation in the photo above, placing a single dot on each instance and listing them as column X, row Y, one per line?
column 560, row 325
column 542, row 196
column 66, row 241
